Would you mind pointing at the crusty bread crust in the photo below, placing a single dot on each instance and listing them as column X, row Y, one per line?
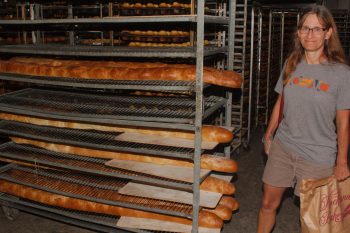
column 206, row 219
column 229, row 202
column 210, row 133
column 221, row 211
column 209, row 162
column 118, row 70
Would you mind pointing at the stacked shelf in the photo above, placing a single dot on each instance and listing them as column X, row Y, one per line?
column 88, row 101
column 245, row 53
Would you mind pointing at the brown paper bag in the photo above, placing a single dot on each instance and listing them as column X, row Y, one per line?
column 325, row 206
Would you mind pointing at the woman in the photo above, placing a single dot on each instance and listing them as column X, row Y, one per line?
column 312, row 138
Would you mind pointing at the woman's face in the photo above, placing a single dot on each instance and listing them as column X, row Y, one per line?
column 313, row 35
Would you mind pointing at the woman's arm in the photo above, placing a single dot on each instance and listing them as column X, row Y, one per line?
column 272, row 126
column 341, row 170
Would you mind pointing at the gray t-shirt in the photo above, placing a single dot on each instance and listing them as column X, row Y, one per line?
column 311, row 97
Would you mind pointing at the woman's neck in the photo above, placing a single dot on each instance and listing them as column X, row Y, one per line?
column 314, row 57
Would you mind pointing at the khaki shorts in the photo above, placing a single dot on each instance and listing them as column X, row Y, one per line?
column 286, row 169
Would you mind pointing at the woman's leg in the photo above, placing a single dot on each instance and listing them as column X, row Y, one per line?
column 270, row 202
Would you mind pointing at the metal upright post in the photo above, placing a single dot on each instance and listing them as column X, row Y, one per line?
column 230, row 60
column 199, row 113
column 251, row 72
column 37, row 16
column 70, row 16
column 282, row 40
column 268, row 70
column 258, row 104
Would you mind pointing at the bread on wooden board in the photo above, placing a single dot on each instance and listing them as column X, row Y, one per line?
column 206, row 219
column 209, row 162
column 118, row 70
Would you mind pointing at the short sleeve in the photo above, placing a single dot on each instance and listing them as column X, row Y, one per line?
column 343, row 97
column 279, row 85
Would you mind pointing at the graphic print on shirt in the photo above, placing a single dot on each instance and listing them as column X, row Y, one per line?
column 307, row 82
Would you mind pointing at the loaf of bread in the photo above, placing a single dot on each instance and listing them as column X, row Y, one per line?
column 229, row 202
column 209, row 162
column 210, row 133
column 118, row 71
column 206, row 219
column 213, row 184
column 221, row 211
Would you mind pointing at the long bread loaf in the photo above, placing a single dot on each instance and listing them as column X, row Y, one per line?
column 209, row 162
column 213, row 184
column 118, row 71
column 221, row 211
column 206, row 219
column 210, row 133
column 229, row 202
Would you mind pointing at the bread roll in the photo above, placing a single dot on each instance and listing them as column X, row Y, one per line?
column 209, row 133
column 120, row 71
column 229, row 202
column 217, row 185
column 209, row 162
column 221, row 211
column 206, row 219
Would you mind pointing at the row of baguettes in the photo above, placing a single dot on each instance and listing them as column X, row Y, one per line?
column 206, row 219
column 118, row 70
column 157, row 33
column 154, row 5
column 210, row 133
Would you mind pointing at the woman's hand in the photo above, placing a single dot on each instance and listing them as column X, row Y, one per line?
column 341, row 171
column 267, row 140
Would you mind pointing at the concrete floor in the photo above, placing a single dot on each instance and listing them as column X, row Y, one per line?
column 248, row 184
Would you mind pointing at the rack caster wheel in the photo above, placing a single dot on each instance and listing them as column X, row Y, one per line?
column 10, row 213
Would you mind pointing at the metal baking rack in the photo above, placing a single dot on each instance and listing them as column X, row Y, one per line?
column 160, row 85
column 107, row 51
column 97, row 222
column 33, row 21
column 76, row 186
column 120, row 19
column 96, row 166
column 89, row 139
column 108, row 108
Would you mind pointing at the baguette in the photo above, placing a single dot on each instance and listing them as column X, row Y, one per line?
column 118, row 71
column 229, row 202
column 210, row 133
column 213, row 184
column 209, row 162
column 221, row 211
column 206, row 219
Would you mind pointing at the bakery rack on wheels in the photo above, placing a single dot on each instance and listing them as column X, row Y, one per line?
column 276, row 28
column 244, row 62
column 45, row 100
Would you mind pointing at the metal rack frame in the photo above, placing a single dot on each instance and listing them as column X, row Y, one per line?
column 244, row 62
column 198, row 53
column 281, row 25
column 82, row 219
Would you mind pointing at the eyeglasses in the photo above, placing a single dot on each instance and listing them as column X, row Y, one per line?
column 315, row 30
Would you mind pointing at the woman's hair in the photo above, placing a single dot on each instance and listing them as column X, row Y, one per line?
column 333, row 50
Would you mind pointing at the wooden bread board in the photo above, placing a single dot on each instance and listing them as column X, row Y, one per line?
column 207, row 199
column 159, row 225
column 167, row 171
column 163, row 141
column 226, row 177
